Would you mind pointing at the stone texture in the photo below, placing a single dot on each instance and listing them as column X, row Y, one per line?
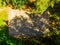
column 28, row 25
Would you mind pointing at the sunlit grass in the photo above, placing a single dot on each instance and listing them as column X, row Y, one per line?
column 3, row 16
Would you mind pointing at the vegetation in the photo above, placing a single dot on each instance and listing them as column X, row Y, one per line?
column 38, row 6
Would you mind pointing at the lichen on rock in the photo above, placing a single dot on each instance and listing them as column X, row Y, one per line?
column 28, row 25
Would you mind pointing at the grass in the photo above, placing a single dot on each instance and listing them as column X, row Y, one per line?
column 3, row 16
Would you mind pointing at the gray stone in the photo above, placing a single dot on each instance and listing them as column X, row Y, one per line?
column 29, row 25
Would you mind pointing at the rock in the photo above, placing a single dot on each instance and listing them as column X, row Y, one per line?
column 28, row 25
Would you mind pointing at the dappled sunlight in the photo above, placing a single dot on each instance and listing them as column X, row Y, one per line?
column 27, row 25
column 24, row 24
column 29, row 22
column 36, row 29
column 12, row 13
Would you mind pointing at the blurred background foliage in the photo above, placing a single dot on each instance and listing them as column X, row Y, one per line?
column 39, row 5
column 36, row 6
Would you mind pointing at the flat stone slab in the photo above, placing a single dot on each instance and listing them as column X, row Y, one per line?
column 28, row 25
